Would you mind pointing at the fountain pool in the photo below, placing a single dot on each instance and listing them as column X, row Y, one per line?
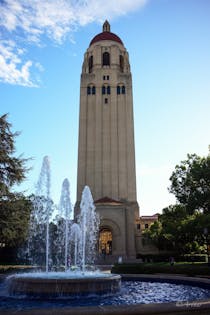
column 138, row 295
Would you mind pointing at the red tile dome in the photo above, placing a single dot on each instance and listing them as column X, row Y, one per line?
column 106, row 36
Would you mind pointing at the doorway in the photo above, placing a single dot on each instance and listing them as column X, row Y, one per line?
column 105, row 241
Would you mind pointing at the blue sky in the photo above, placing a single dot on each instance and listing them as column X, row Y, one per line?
column 42, row 44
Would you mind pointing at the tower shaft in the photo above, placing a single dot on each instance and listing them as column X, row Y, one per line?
column 106, row 156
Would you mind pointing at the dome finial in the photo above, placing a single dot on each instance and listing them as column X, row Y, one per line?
column 106, row 26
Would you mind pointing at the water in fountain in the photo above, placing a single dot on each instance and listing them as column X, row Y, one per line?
column 75, row 237
column 82, row 236
column 84, row 239
column 63, row 222
column 89, row 225
column 38, row 241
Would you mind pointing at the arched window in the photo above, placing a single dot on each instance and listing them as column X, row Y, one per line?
column 121, row 63
column 121, row 89
column 106, row 59
column 90, row 64
column 106, row 89
column 91, row 90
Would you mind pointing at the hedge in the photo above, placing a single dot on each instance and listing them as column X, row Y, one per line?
column 141, row 268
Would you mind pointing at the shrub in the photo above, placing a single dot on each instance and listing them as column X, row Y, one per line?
column 185, row 269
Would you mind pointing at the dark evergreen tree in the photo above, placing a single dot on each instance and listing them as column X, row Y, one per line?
column 14, row 207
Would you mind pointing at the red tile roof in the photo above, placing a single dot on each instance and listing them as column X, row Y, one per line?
column 106, row 36
column 106, row 200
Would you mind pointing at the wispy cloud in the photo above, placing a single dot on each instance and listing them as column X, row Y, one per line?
column 12, row 69
column 29, row 21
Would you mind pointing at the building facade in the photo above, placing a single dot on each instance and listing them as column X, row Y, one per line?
column 106, row 153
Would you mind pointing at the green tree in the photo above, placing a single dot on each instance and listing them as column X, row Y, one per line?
column 12, row 169
column 14, row 207
column 190, row 183
column 167, row 232
column 181, row 226
column 14, row 218
column 178, row 231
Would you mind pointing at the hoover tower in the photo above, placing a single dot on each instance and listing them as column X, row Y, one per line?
column 106, row 153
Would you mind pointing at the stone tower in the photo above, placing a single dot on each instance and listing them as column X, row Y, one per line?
column 106, row 155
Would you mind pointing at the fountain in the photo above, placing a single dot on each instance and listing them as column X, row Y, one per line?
column 96, row 292
column 82, row 237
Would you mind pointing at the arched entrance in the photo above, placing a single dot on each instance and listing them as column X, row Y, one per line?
column 105, row 241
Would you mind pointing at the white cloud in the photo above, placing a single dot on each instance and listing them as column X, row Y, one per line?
column 29, row 20
column 12, row 69
column 88, row 11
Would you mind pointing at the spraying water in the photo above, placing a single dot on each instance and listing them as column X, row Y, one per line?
column 89, row 225
column 38, row 241
column 66, row 211
column 75, row 240
column 43, row 189
column 70, row 243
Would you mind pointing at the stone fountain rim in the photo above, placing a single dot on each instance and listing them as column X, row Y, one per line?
column 27, row 278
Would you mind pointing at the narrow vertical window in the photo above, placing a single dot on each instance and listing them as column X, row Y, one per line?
column 123, row 89
column 88, row 90
column 108, row 90
column 106, row 100
column 103, row 90
column 93, row 90
column 90, row 64
column 121, row 63
column 118, row 89
column 106, row 59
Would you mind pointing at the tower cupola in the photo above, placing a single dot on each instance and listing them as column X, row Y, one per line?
column 106, row 26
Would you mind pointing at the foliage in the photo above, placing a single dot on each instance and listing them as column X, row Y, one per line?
column 190, row 183
column 164, row 257
column 14, row 207
column 12, row 169
column 179, row 232
column 180, row 228
column 14, row 218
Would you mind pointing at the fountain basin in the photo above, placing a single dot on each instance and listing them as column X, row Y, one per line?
column 52, row 285
column 127, row 302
